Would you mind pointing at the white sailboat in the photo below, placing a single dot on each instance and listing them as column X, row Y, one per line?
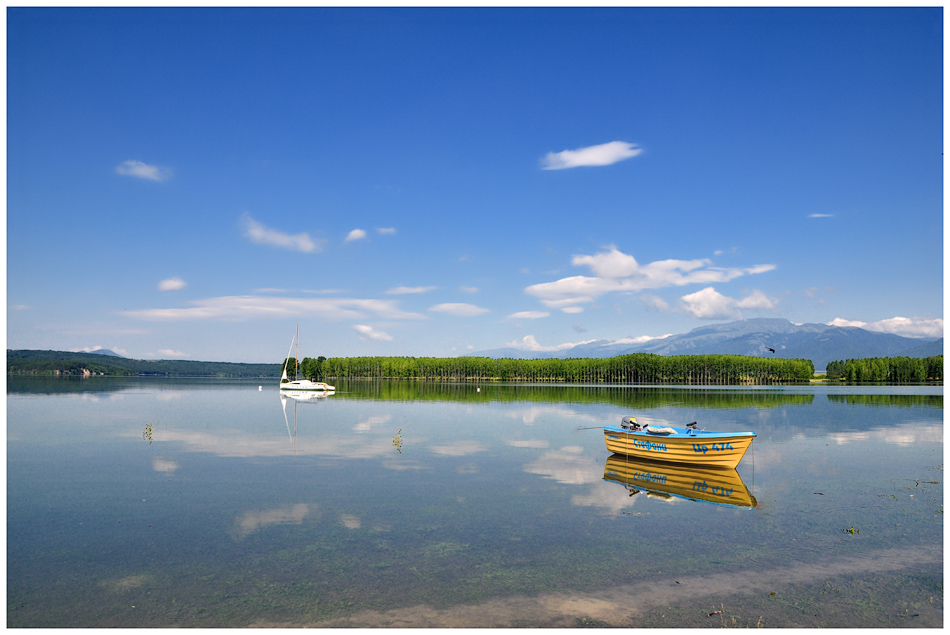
column 297, row 384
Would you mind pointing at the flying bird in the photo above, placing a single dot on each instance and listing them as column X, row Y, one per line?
column 771, row 350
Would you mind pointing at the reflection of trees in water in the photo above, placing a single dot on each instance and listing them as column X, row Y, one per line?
column 640, row 397
column 929, row 401
column 627, row 396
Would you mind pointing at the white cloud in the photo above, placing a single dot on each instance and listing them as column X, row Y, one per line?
column 143, row 171
column 20, row 307
column 368, row 332
column 262, row 235
column 907, row 327
column 759, row 269
column 466, row 289
column 386, row 230
column 408, row 290
column 844, row 322
column 167, row 352
column 281, row 290
column 172, row 284
column 616, row 272
column 529, row 315
column 609, row 264
column 756, row 300
column 356, row 234
column 458, row 308
column 529, row 343
column 820, row 215
column 654, row 302
column 572, row 309
column 642, row 339
column 709, row 304
column 246, row 307
column 604, row 154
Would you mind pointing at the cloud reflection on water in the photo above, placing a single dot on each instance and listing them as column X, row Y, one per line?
column 161, row 464
column 903, row 435
column 568, row 466
column 253, row 521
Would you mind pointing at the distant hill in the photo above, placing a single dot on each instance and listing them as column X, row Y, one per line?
column 103, row 351
column 34, row 362
column 818, row 342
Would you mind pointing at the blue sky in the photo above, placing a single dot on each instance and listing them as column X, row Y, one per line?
column 193, row 183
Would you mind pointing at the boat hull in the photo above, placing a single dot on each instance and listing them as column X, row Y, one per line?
column 306, row 385
column 684, row 445
column 693, row 482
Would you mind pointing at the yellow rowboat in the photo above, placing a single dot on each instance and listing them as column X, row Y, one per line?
column 693, row 482
column 678, row 445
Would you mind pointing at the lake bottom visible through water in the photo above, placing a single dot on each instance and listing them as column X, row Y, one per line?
column 147, row 502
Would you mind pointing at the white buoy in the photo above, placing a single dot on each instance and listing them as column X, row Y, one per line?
column 260, row 388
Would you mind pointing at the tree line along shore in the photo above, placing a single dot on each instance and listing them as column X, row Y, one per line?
column 637, row 368
column 890, row 370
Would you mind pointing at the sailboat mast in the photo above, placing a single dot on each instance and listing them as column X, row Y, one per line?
column 297, row 358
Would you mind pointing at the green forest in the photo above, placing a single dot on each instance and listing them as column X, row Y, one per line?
column 638, row 368
column 890, row 370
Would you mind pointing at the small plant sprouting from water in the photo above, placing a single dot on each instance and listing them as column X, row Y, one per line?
column 397, row 441
column 732, row 622
column 147, row 433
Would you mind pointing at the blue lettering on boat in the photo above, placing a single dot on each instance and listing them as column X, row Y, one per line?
column 716, row 447
column 717, row 490
column 653, row 478
column 649, row 445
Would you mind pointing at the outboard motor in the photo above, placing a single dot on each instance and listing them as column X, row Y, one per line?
column 629, row 423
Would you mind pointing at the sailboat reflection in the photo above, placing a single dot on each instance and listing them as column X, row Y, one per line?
column 298, row 396
column 692, row 482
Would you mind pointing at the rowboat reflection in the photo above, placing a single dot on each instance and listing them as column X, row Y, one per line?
column 722, row 486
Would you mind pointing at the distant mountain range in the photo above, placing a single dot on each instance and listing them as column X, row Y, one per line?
column 818, row 342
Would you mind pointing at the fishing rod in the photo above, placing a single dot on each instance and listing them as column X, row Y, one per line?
column 688, row 425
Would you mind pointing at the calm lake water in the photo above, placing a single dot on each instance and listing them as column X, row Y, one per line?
column 154, row 502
